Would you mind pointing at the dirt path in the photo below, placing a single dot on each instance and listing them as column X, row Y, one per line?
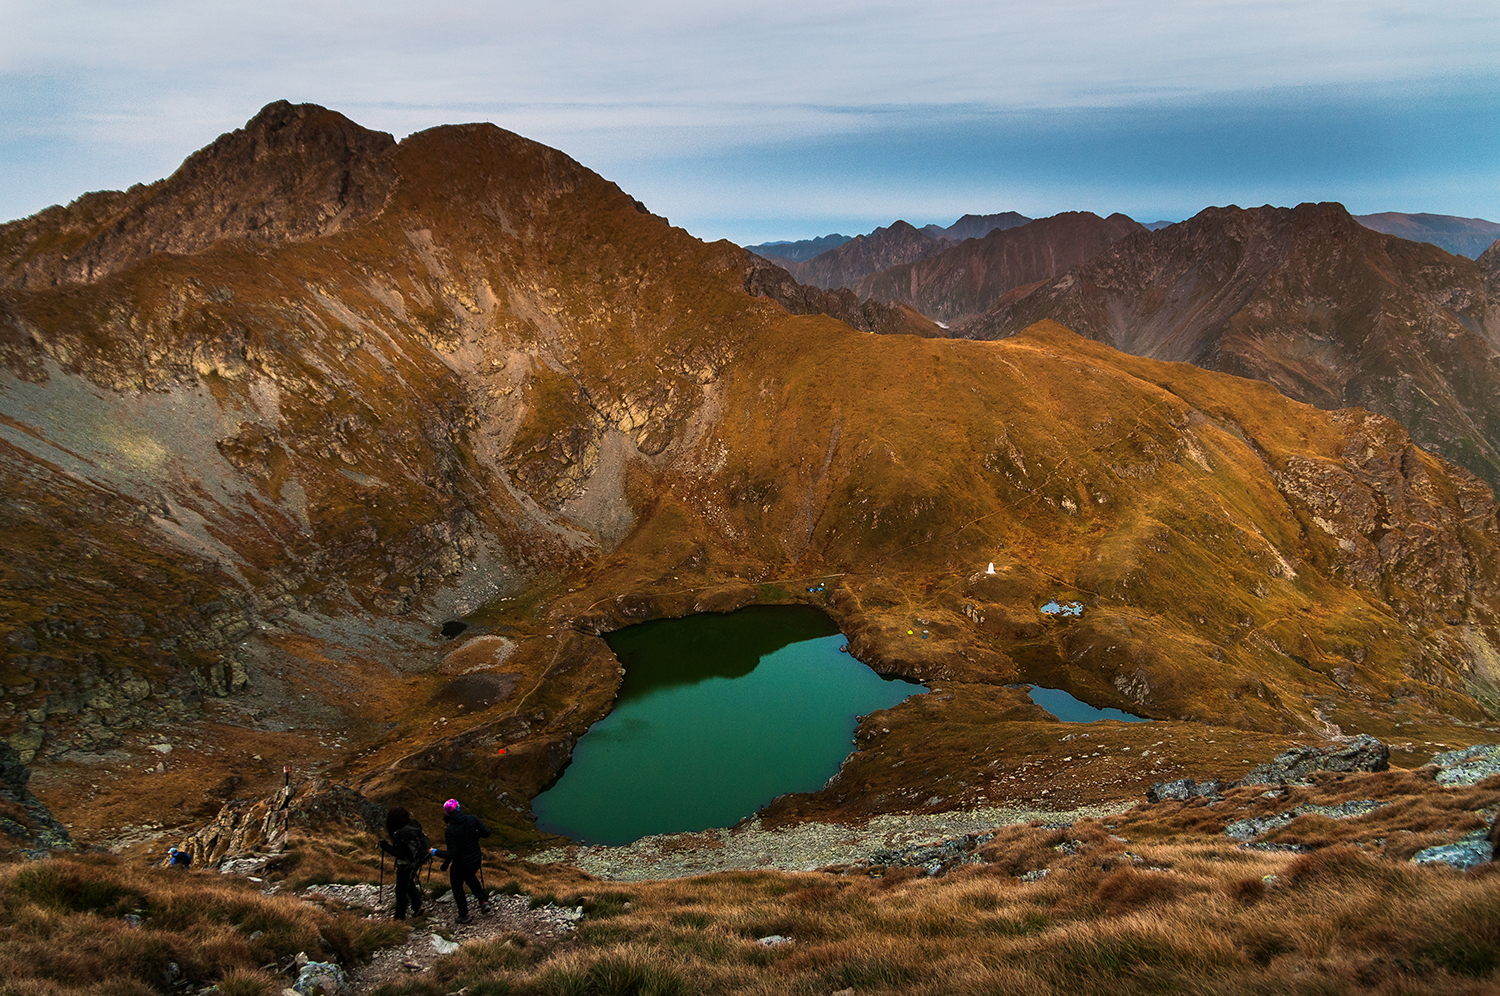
column 438, row 934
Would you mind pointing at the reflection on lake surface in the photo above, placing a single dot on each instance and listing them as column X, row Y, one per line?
column 718, row 715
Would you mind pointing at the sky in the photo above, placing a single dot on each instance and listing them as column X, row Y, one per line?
column 788, row 119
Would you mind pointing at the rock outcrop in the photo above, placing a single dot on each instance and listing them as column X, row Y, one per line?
column 24, row 819
column 1183, row 789
column 1360, row 753
column 294, row 172
column 253, row 831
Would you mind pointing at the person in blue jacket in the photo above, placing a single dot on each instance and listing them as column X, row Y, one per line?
column 462, row 857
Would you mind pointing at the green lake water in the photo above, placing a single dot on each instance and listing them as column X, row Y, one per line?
column 718, row 715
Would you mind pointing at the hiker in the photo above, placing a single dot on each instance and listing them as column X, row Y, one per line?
column 461, row 858
column 181, row 860
column 409, row 846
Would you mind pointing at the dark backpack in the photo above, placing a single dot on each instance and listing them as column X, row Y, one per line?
column 418, row 846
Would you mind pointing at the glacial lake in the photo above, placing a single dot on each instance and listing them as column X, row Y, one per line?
column 1070, row 710
column 717, row 716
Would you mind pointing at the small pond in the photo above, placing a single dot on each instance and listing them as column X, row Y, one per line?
column 718, row 715
column 1070, row 710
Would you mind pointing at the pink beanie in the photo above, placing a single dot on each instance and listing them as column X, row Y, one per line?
column 450, row 807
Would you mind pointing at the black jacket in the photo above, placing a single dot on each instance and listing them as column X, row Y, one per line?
column 408, row 848
column 462, row 837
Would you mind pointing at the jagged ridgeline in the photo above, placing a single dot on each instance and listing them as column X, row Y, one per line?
column 270, row 422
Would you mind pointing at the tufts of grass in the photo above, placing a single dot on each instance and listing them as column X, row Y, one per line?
column 1153, row 903
column 95, row 925
column 313, row 861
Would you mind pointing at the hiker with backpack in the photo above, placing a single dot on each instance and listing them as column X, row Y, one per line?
column 462, row 858
column 411, row 849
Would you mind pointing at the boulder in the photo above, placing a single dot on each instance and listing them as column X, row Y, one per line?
column 1357, row 753
column 1249, row 829
column 1473, row 850
column 320, row 977
column 1469, row 765
column 1184, row 789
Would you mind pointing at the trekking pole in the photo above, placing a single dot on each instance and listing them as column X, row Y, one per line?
column 380, row 895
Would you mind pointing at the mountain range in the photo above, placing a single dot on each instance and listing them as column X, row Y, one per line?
column 970, row 226
column 1329, row 311
column 802, row 249
column 275, row 428
column 1460, row 236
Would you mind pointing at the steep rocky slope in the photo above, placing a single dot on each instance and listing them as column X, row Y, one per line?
column 245, row 484
column 959, row 284
column 764, row 279
column 1331, row 312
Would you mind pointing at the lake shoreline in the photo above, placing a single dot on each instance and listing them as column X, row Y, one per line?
column 805, row 846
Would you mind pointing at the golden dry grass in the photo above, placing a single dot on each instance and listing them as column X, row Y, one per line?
column 96, row 925
column 1156, row 900
column 1184, row 912
column 1159, row 900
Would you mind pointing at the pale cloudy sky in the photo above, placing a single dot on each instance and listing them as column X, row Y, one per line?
column 794, row 118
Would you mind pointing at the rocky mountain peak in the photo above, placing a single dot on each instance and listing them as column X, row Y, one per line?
column 294, row 172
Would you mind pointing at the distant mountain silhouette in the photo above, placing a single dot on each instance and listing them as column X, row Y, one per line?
column 848, row 264
column 797, row 252
column 764, row 278
column 958, row 284
column 1460, row 236
column 976, row 226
